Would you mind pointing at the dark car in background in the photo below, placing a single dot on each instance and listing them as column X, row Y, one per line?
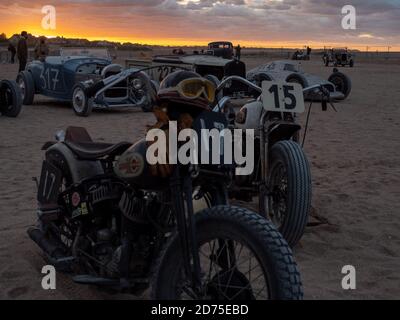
column 221, row 49
column 338, row 57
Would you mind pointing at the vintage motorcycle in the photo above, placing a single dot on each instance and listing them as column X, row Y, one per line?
column 120, row 223
column 282, row 178
column 10, row 99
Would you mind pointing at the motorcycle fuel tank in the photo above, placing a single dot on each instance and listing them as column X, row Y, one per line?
column 133, row 168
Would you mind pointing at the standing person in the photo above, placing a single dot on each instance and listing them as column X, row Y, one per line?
column 41, row 49
column 22, row 50
column 13, row 52
column 238, row 52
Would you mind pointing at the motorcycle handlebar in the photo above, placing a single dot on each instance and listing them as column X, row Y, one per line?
column 228, row 80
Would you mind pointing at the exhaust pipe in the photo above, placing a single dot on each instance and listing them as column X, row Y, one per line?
column 52, row 249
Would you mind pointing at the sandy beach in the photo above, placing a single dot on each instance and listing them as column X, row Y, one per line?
column 355, row 161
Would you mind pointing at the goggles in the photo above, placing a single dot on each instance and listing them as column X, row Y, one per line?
column 194, row 88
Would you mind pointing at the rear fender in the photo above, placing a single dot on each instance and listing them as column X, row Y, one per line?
column 61, row 156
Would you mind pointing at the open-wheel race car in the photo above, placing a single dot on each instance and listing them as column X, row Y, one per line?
column 338, row 84
column 338, row 57
column 86, row 78
column 10, row 99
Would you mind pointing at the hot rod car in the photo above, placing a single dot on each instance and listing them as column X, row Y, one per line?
column 338, row 84
column 338, row 57
column 68, row 77
column 10, row 99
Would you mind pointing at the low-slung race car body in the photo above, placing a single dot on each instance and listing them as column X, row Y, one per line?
column 338, row 84
column 67, row 77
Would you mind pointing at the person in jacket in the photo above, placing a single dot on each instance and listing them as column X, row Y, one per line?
column 238, row 53
column 13, row 52
column 41, row 49
column 22, row 50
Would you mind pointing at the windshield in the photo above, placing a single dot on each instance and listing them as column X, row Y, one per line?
column 220, row 46
column 290, row 67
column 101, row 53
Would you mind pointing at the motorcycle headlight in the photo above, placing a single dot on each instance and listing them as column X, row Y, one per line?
column 137, row 83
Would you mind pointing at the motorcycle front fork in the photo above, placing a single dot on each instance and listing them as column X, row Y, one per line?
column 182, row 196
column 182, row 201
column 263, row 188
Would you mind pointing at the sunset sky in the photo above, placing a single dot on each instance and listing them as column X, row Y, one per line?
column 266, row 23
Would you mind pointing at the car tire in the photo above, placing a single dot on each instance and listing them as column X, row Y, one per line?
column 27, row 87
column 351, row 63
column 258, row 79
column 81, row 104
column 341, row 82
column 149, row 107
column 297, row 78
column 289, row 163
column 10, row 99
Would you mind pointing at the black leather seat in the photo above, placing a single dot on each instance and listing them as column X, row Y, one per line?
column 82, row 145
column 97, row 150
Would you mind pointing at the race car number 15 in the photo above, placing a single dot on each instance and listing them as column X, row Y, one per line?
column 283, row 97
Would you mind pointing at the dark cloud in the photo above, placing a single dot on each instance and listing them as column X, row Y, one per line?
column 251, row 20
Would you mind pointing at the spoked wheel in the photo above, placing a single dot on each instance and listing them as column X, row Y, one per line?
column 80, row 102
column 288, row 199
column 27, row 87
column 222, row 280
column 242, row 257
column 277, row 204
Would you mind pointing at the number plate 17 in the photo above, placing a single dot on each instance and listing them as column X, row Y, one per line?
column 283, row 97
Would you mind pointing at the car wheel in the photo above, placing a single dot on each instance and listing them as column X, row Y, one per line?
column 10, row 99
column 297, row 78
column 341, row 82
column 351, row 63
column 260, row 78
column 288, row 201
column 27, row 87
column 81, row 104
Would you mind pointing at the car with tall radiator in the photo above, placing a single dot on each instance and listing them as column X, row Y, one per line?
column 212, row 67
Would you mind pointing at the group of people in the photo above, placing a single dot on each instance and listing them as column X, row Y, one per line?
column 21, row 50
